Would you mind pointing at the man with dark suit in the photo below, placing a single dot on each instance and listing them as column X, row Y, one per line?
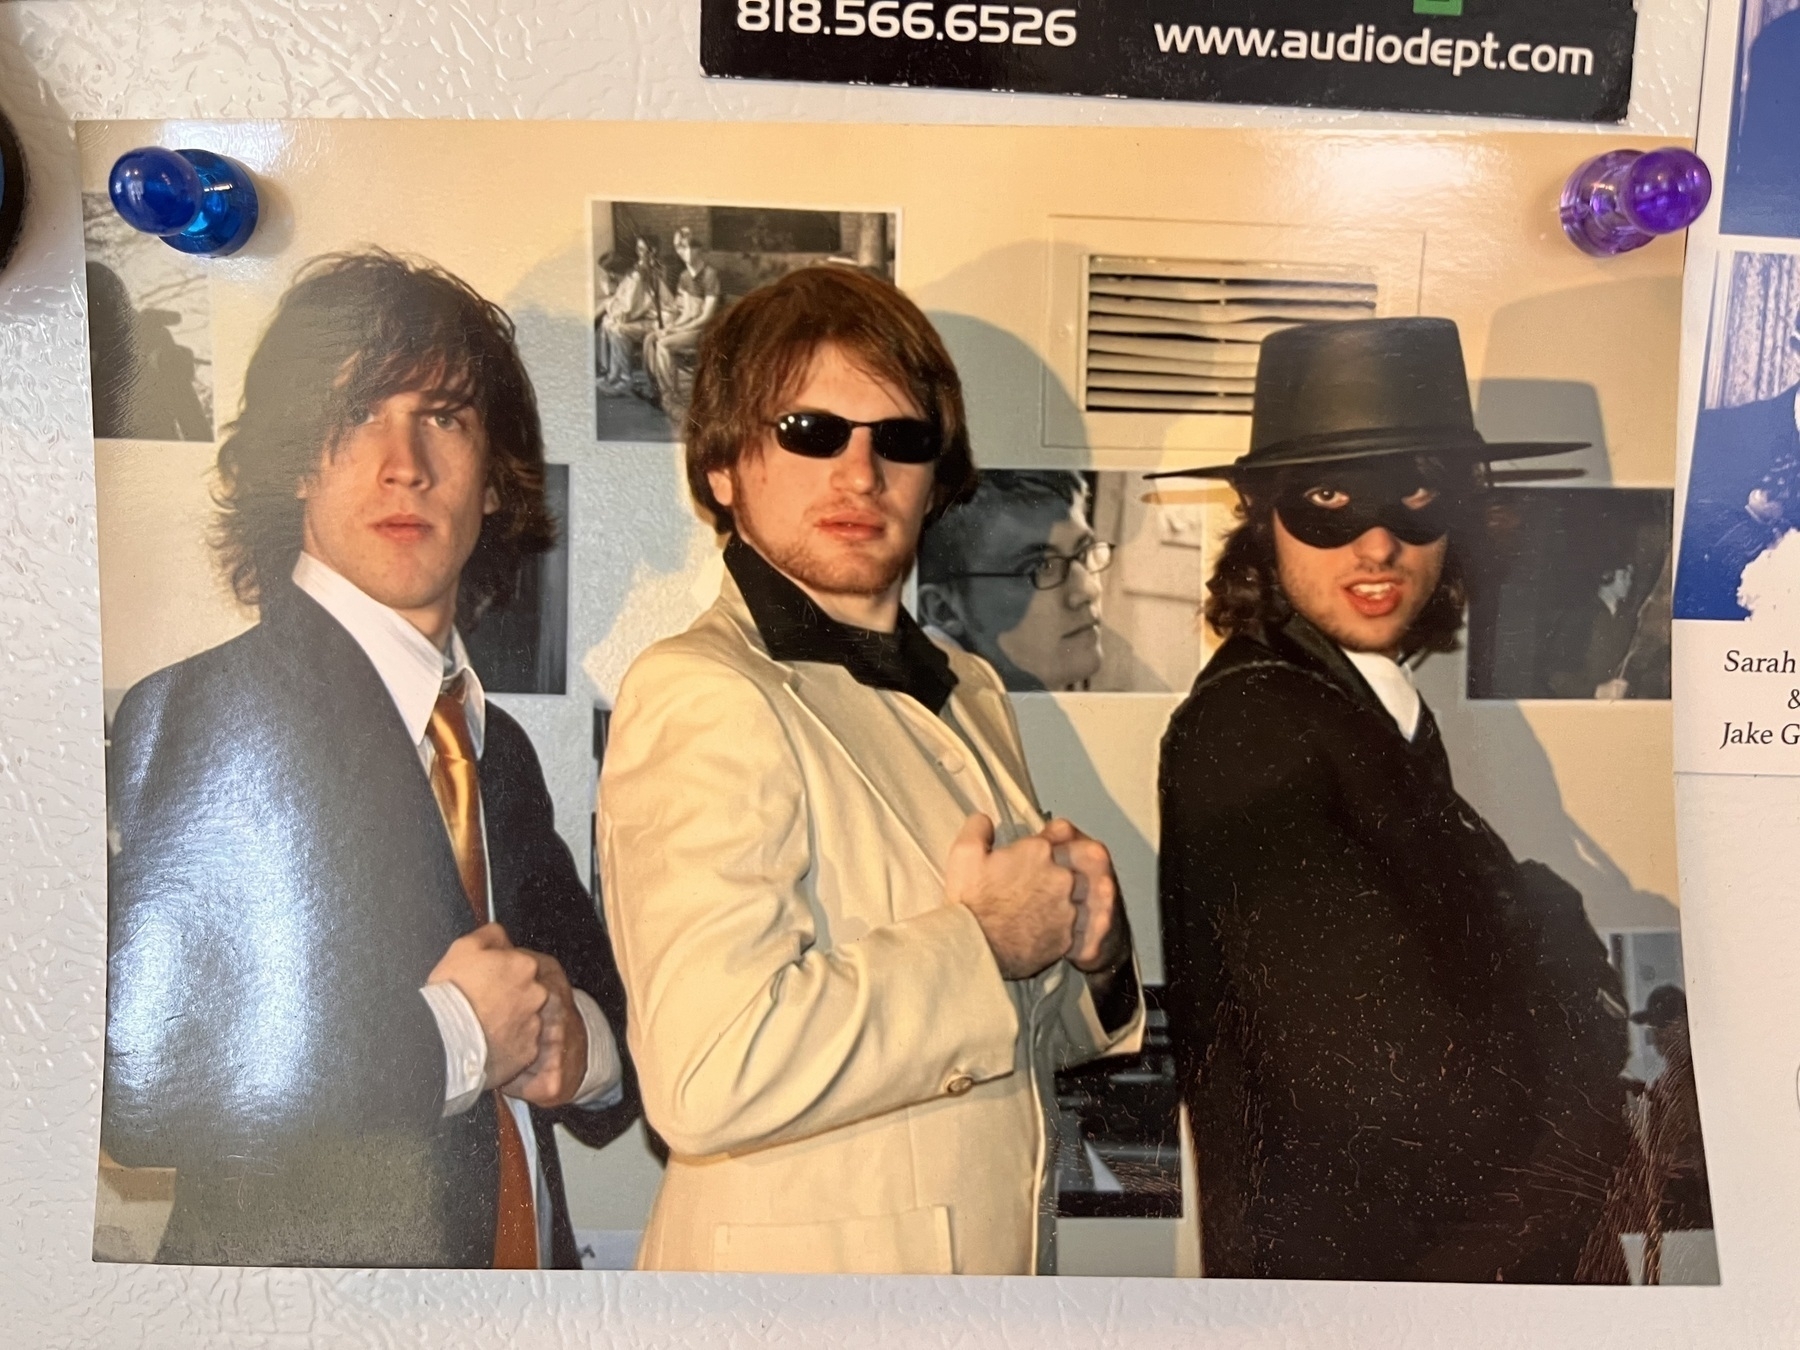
column 1743, row 495
column 354, row 978
column 1400, row 1048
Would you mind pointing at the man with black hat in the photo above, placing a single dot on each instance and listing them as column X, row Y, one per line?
column 1400, row 1048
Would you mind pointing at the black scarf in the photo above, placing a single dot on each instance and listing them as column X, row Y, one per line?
column 794, row 628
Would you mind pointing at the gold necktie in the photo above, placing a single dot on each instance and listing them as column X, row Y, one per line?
column 458, row 791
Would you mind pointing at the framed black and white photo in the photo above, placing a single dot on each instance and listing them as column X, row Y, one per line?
column 149, row 332
column 1063, row 580
column 664, row 272
column 1580, row 609
column 522, row 645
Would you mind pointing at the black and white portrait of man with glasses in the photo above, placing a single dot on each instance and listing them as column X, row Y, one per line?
column 1012, row 575
column 855, row 950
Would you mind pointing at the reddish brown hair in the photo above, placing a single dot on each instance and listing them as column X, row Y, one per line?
column 754, row 358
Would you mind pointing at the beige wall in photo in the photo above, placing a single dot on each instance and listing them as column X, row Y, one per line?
column 1559, row 346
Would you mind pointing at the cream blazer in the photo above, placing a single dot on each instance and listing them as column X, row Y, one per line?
column 844, row 1080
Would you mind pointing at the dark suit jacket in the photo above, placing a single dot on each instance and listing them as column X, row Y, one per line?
column 1762, row 180
column 1387, row 1030
column 1736, row 451
column 280, row 885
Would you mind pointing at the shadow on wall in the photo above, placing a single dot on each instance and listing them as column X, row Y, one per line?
column 1503, row 769
column 989, row 357
column 1548, row 410
column 1500, row 763
column 1068, row 780
column 1544, row 376
column 633, row 533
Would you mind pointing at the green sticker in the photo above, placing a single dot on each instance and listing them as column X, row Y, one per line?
column 1450, row 7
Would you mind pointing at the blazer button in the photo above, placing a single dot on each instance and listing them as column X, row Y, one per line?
column 953, row 764
column 959, row 1085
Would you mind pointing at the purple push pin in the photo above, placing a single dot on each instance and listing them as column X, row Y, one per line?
column 1625, row 198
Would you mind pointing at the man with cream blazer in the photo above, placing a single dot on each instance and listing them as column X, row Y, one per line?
column 844, row 1033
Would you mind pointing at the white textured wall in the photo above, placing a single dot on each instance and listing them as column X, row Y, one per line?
column 602, row 58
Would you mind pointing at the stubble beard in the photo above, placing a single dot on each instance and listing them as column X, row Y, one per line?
column 850, row 573
column 1345, row 630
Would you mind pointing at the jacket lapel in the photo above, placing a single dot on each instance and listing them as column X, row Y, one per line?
column 877, row 745
column 981, row 712
column 343, row 684
column 885, row 753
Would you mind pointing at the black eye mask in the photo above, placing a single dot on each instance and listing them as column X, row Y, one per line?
column 1377, row 497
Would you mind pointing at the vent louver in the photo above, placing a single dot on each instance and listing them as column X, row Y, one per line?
column 1181, row 336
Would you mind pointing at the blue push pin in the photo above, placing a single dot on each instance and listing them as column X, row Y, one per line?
column 1625, row 198
column 194, row 200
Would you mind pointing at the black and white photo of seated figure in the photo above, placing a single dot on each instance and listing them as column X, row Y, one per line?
column 1012, row 575
column 633, row 297
column 1577, row 605
column 664, row 273
column 149, row 333
column 1762, row 172
column 1743, row 490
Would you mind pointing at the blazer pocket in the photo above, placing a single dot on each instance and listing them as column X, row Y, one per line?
column 916, row 1242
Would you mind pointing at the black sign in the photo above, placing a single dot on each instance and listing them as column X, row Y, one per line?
column 1563, row 59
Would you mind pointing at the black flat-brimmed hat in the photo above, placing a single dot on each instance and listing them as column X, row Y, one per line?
column 1364, row 389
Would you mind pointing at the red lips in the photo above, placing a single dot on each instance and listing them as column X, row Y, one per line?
column 403, row 528
column 1375, row 597
column 854, row 526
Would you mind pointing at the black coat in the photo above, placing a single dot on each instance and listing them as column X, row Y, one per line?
column 281, row 883
column 1400, row 1048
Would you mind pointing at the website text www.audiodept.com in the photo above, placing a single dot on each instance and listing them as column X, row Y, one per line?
column 1361, row 44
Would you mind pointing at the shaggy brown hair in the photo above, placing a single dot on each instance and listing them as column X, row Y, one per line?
column 753, row 360
column 352, row 330
column 1244, row 592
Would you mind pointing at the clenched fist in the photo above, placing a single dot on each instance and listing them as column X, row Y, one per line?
column 555, row 1076
column 1101, row 941
column 1021, row 895
column 503, row 987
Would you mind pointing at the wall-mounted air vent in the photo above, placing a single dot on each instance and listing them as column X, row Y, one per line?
column 1171, row 335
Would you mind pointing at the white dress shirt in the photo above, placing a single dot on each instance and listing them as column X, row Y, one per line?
column 415, row 673
column 1393, row 685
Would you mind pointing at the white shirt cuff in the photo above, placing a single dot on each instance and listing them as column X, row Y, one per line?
column 603, row 1085
column 465, row 1045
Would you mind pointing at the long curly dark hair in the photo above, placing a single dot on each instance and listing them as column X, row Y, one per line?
column 352, row 330
column 1244, row 592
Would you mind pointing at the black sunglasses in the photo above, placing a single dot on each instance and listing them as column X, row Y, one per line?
column 823, row 435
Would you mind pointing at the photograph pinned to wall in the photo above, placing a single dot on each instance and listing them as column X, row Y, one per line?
column 1579, row 605
column 1762, row 166
column 149, row 332
column 665, row 272
column 640, row 567
column 521, row 645
column 1738, row 550
column 1066, row 580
